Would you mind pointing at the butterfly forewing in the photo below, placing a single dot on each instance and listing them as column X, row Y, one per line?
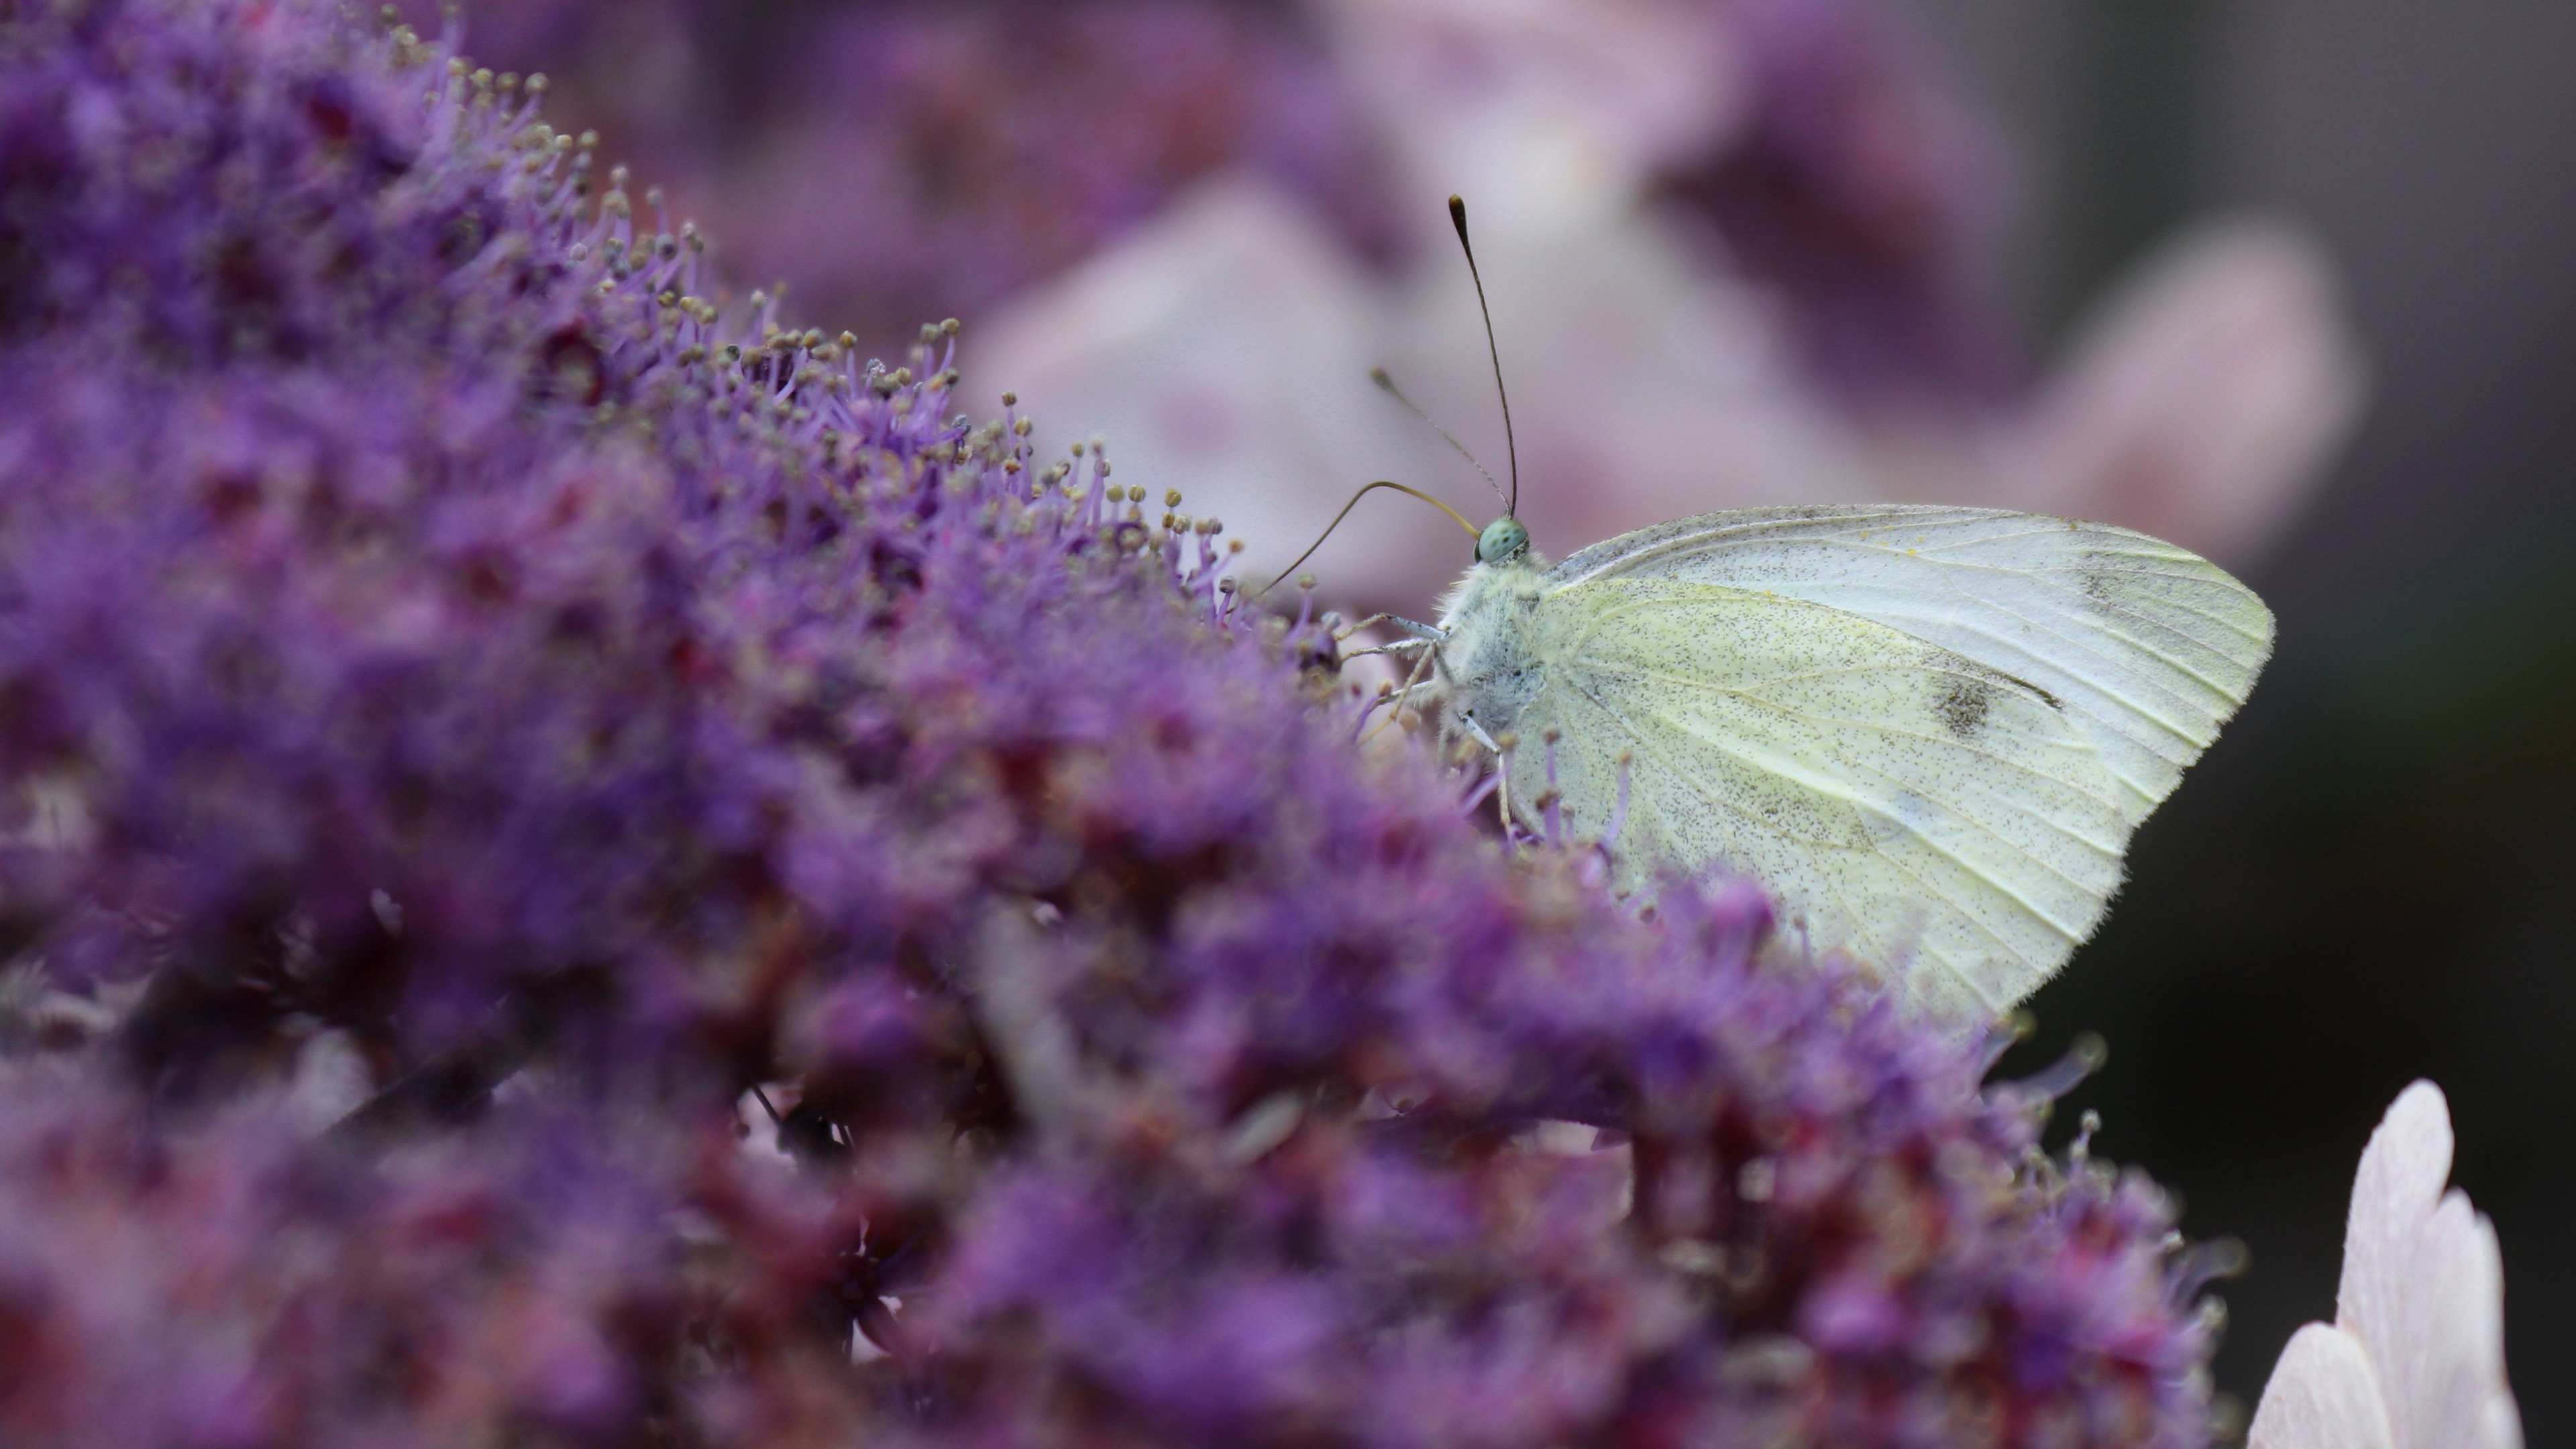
column 2147, row 648
column 1905, row 803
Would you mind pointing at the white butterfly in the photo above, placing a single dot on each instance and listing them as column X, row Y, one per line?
column 1928, row 731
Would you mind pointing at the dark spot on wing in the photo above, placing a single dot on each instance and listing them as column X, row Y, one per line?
column 1962, row 705
column 2042, row 695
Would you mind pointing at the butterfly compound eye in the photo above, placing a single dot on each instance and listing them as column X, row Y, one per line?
column 1504, row 538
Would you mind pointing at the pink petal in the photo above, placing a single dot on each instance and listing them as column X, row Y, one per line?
column 2322, row 1396
column 2423, row 1286
column 2206, row 400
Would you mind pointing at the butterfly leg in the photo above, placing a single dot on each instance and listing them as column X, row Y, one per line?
column 1421, row 636
column 1502, row 766
column 1398, row 647
column 1403, row 698
column 1430, row 632
column 1476, row 732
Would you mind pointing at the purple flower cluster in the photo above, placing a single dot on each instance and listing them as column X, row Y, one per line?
column 233, row 1285
column 479, row 714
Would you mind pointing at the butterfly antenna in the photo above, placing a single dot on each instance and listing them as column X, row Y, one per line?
column 1346, row 512
column 1458, row 219
column 1387, row 385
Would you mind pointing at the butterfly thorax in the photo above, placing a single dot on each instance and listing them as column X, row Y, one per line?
column 1487, row 676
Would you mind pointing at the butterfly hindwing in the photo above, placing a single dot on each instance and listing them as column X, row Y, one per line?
column 1904, row 802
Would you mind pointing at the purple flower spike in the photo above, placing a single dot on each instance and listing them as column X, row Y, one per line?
column 496, row 736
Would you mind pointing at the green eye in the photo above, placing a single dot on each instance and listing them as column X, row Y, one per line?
column 1504, row 538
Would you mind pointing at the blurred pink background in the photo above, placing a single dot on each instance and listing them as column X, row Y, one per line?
column 1739, row 252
